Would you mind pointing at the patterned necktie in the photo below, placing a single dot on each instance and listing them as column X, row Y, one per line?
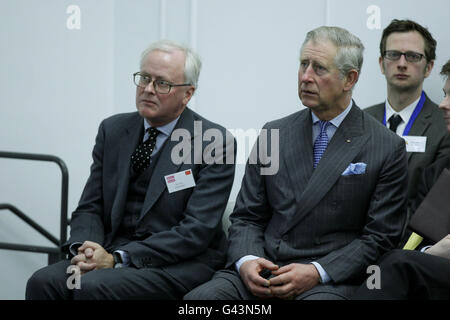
column 394, row 121
column 321, row 142
column 140, row 159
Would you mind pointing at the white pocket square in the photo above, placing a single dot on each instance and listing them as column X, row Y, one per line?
column 355, row 168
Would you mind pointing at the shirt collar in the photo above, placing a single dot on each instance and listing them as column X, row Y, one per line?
column 405, row 114
column 165, row 129
column 338, row 119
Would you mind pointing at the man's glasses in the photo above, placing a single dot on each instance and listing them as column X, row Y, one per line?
column 161, row 86
column 410, row 56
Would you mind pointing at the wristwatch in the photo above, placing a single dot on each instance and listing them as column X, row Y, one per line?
column 118, row 262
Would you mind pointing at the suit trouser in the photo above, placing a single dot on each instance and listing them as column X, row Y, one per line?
column 227, row 285
column 410, row 275
column 124, row 283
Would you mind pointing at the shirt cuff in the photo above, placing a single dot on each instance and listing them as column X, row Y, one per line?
column 242, row 260
column 73, row 248
column 425, row 248
column 323, row 274
column 125, row 256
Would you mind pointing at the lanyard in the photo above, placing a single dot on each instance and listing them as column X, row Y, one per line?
column 416, row 112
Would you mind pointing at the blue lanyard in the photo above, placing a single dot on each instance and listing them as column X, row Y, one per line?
column 416, row 112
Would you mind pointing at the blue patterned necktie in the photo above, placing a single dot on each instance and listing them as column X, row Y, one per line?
column 321, row 143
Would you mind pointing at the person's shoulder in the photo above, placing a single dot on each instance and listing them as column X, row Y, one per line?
column 122, row 117
column 206, row 123
column 374, row 108
column 287, row 121
column 122, row 120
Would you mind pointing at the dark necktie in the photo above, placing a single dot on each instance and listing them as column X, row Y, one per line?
column 394, row 121
column 140, row 159
column 321, row 142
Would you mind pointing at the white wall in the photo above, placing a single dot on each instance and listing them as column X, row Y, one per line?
column 57, row 84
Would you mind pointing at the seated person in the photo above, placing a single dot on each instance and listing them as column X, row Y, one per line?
column 421, row 274
column 132, row 237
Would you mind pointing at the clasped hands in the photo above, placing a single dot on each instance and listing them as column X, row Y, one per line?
column 92, row 256
column 287, row 282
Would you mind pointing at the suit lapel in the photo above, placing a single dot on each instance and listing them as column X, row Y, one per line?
column 378, row 112
column 298, row 145
column 342, row 149
column 165, row 166
column 422, row 122
column 128, row 141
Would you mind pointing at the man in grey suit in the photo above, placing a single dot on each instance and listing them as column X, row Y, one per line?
column 407, row 54
column 148, row 224
column 337, row 201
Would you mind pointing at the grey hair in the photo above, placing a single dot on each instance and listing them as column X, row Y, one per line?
column 350, row 49
column 192, row 64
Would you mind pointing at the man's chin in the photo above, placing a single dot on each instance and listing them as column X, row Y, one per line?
column 310, row 104
column 146, row 110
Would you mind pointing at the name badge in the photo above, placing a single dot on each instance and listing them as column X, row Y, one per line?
column 415, row 143
column 179, row 181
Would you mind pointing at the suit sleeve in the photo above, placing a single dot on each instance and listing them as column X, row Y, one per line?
column 444, row 148
column 426, row 182
column 200, row 223
column 251, row 214
column 87, row 219
column 386, row 217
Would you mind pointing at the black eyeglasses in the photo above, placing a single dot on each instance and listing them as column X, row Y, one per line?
column 410, row 56
column 161, row 86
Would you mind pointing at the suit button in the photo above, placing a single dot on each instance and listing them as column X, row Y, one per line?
column 285, row 237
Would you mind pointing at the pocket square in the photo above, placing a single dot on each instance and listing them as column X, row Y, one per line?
column 355, row 168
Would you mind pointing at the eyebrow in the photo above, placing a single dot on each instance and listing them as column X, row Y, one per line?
column 153, row 76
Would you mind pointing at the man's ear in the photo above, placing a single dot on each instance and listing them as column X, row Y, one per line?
column 380, row 61
column 188, row 95
column 428, row 68
column 350, row 80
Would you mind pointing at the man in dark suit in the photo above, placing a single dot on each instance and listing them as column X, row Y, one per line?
column 407, row 54
column 336, row 203
column 148, row 224
column 421, row 274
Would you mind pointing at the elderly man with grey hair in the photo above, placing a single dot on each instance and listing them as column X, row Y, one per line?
column 337, row 202
column 148, row 226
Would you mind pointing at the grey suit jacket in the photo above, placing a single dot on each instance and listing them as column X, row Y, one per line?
column 180, row 232
column 429, row 123
column 303, row 214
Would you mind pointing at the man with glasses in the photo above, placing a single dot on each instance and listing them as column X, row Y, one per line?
column 407, row 57
column 147, row 226
column 419, row 274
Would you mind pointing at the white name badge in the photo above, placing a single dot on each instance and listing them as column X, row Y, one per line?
column 415, row 143
column 179, row 181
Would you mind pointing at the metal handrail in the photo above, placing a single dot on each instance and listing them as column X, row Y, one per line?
column 32, row 223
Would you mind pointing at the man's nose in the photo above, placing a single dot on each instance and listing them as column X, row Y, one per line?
column 306, row 75
column 150, row 88
column 402, row 63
